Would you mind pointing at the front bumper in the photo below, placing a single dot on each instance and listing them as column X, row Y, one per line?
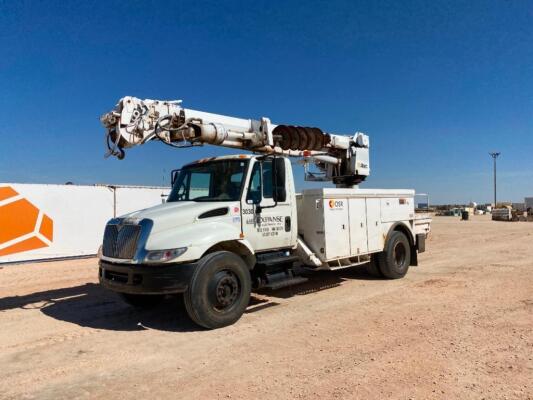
column 145, row 279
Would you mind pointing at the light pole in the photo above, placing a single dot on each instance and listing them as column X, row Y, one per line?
column 494, row 157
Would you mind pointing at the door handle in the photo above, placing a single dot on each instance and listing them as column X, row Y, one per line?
column 287, row 224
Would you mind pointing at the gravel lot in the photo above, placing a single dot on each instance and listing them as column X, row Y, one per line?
column 459, row 326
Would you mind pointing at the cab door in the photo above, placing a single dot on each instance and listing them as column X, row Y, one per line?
column 266, row 224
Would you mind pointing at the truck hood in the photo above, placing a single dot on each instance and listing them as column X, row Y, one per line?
column 171, row 215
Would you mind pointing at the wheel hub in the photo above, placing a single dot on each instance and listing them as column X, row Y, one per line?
column 399, row 254
column 226, row 289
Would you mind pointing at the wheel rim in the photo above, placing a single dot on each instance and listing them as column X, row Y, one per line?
column 224, row 290
column 400, row 254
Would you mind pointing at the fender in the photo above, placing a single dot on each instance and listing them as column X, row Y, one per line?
column 248, row 245
column 241, row 247
column 404, row 228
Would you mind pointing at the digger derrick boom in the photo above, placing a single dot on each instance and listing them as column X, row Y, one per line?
column 339, row 158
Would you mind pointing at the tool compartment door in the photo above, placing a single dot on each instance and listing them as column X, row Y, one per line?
column 336, row 227
column 358, row 226
column 373, row 222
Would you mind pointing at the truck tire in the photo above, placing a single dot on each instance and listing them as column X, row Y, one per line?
column 394, row 261
column 142, row 300
column 219, row 290
column 372, row 267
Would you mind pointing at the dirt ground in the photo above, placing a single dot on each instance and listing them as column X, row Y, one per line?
column 459, row 326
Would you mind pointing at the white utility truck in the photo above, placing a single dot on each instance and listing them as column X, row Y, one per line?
column 235, row 223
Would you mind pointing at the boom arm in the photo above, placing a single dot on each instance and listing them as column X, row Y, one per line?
column 342, row 159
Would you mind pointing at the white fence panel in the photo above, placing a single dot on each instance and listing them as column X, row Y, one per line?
column 133, row 199
column 52, row 221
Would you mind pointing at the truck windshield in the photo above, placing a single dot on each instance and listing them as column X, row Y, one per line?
column 210, row 181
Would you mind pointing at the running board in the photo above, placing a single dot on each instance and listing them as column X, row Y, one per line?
column 280, row 279
column 287, row 282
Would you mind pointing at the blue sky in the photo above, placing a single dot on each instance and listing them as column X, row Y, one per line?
column 436, row 84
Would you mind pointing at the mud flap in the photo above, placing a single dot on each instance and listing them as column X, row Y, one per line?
column 414, row 257
column 421, row 242
column 419, row 247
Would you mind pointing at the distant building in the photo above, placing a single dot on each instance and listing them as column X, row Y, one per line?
column 528, row 202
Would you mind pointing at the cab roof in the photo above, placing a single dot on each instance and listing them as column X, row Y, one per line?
column 229, row 157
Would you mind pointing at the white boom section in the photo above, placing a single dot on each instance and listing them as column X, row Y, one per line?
column 341, row 158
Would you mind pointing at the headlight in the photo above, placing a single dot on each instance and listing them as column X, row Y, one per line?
column 164, row 255
column 99, row 254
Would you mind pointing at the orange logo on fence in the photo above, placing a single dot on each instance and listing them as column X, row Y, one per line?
column 23, row 226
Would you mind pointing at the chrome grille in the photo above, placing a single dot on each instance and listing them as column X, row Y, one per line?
column 120, row 241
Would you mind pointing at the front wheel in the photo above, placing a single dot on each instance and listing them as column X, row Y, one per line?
column 219, row 290
column 394, row 261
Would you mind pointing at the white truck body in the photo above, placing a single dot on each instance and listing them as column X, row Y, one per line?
column 343, row 224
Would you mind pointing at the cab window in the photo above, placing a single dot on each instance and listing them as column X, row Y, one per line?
column 254, row 189
column 267, row 179
column 219, row 180
column 199, row 185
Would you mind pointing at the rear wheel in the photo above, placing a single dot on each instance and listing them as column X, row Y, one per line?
column 219, row 290
column 372, row 267
column 142, row 300
column 394, row 261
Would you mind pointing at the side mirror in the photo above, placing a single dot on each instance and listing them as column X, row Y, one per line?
column 174, row 175
column 279, row 193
